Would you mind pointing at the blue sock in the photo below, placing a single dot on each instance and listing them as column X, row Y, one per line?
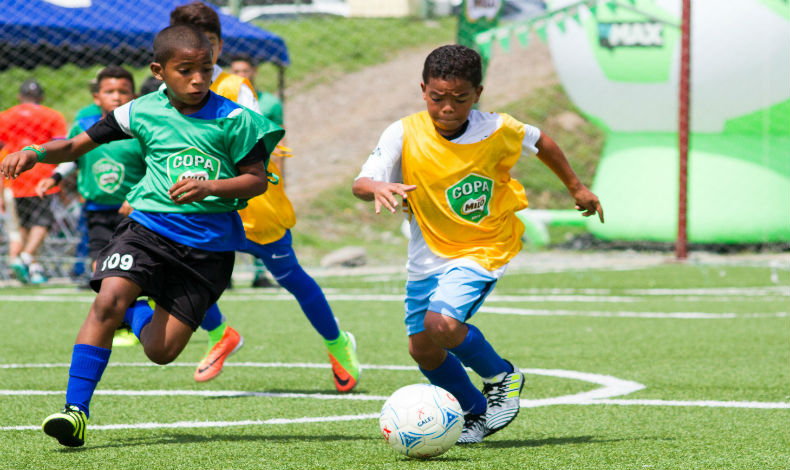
column 452, row 376
column 87, row 366
column 140, row 305
column 478, row 354
column 139, row 315
column 312, row 300
column 213, row 318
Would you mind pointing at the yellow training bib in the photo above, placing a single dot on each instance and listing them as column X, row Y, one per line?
column 228, row 85
column 268, row 216
column 465, row 201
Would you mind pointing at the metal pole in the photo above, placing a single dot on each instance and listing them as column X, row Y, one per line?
column 681, row 245
column 235, row 7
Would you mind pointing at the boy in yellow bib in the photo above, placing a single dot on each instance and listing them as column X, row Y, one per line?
column 451, row 164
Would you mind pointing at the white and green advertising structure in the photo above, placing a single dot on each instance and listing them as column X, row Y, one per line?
column 619, row 62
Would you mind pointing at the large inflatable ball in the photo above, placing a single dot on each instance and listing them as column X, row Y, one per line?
column 620, row 65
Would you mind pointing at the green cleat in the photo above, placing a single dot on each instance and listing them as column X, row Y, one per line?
column 68, row 426
column 21, row 271
column 345, row 365
column 124, row 337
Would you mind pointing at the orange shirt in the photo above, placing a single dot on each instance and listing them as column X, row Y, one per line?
column 28, row 124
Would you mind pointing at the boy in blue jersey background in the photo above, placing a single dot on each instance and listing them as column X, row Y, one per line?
column 205, row 156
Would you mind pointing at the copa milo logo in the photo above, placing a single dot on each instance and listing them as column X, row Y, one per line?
column 469, row 198
column 193, row 164
column 108, row 174
column 630, row 34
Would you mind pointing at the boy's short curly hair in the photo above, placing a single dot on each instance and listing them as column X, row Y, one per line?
column 174, row 38
column 453, row 61
column 197, row 14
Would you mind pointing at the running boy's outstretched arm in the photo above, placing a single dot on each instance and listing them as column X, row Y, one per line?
column 56, row 151
column 382, row 192
column 551, row 155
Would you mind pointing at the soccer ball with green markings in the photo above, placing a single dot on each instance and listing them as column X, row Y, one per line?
column 421, row 420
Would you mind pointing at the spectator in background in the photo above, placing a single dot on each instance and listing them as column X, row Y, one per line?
column 271, row 106
column 30, row 123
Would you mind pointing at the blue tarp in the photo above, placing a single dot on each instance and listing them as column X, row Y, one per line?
column 39, row 32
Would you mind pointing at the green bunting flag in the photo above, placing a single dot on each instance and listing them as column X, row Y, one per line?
column 540, row 28
column 522, row 34
column 559, row 20
column 576, row 17
column 485, row 49
column 503, row 36
column 539, row 25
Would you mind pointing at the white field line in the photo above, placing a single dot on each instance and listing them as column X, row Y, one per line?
column 203, row 393
column 587, row 313
column 286, row 365
column 501, row 299
column 210, row 424
column 757, row 291
column 610, row 387
column 716, row 291
column 700, row 403
column 234, row 297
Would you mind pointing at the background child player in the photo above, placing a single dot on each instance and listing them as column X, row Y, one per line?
column 451, row 165
column 271, row 106
column 223, row 340
column 267, row 221
column 106, row 174
column 205, row 156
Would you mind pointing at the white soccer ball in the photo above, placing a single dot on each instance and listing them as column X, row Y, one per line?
column 421, row 420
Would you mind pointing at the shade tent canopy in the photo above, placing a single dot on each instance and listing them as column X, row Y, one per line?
column 88, row 32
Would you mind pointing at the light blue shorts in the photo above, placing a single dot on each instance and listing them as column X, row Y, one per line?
column 457, row 293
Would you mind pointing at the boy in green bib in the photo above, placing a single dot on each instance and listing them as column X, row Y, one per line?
column 205, row 156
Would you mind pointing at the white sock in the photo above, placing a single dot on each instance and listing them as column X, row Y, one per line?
column 26, row 258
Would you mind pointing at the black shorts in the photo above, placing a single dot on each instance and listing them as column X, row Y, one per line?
column 183, row 280
column 101, row 226
column 35, row 211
